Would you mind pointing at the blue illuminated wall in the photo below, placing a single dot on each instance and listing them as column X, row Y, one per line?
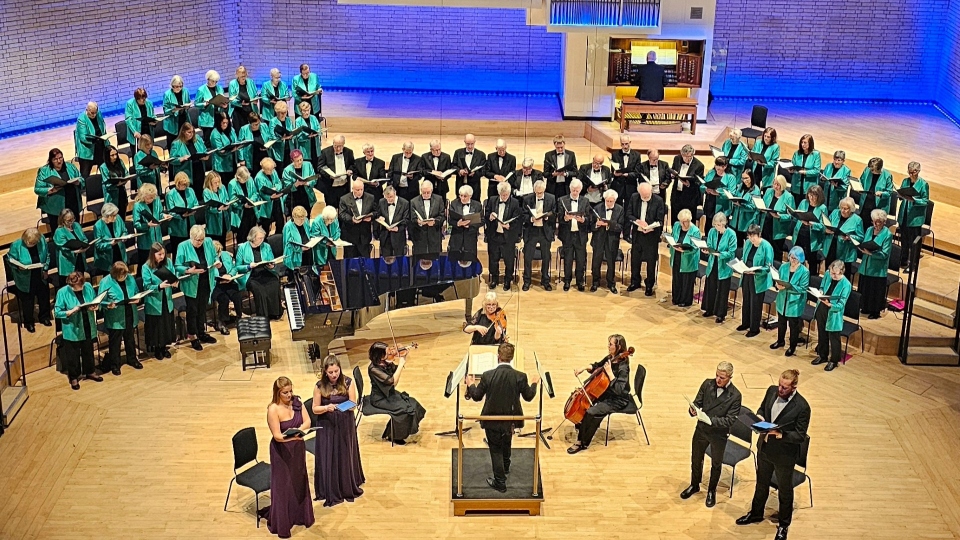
column 948, row 93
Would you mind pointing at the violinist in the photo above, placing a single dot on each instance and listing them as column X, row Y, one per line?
column 616, row 366
column 488, row 325
column 386, row 366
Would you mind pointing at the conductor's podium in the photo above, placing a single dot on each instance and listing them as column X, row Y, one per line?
column 478, row 498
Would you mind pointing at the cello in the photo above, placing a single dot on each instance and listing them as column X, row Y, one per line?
column 589, row 391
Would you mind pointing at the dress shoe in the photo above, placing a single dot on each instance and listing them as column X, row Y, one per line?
column 116, row 371
column 873, row 317
column 632, row 288
column 493, row 284
column 749, row 519
column 576, row 448
column 781, row 534
column 566, row 285
column 207, row 338
column 224, row 330
column 648, row 292
column 581, row 287
column 706, row 314
column 776, row 345
column 166, row 353
column 547, row 287
column 687, row 493
column 742, row 327
column 526, row 287
column 752, row 333
column 158, row 354
column 818, row 360
column 830, row 366
column 506, row 286
column 493, row 483
column 719, row 320
column 790, row 352
column 30, row 328
column 75, row 384
column 136, row 364
column 94, row 377
column 711, row 499
column 46, row 322
column 613, row 289
column 593, row 288
column 196, row 345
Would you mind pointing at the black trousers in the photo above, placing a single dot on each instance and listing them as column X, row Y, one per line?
column 778, row 249
column 223, row 295
column 117, row 337
column 535, row 239
column 752, row 309
column 85, row 166
column 36, row 295
column 640, row 254
column 197, row 308
column 562, row 189
column 676, row 205
column 499, row 249
column 605, row 252
column 682, row 288
column 717, row 294
column 499, row 441
column 828, row 343
column 575, row 250
column 795, row 325
column 77, row 358
column 765, row 471
column 276, row 217
column 587, row 428
column 718, row 444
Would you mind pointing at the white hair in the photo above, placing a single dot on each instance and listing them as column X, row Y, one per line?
column 176, row 79
column 408, row 145
column 328, row 214
column 426, row 184
column 339, row 139
column 465, row 190
column 213, row 75
column 527, row 162
column 255, row 231
column 109, row 210
column 366, row 146
column 503, row 188
column 610, row 194
column 644, row 187
column 877, row 214
column 198, row 232
column 848, row 201
column 684, row 215
column 92, row 105
column 434, row 142
column 490, row 297
column 736, row 133
column 356, row 182
column 719, row 219
column 539, row 184
column 274, row 71
column 501, row 142
column 576, row 183
column 624, row 138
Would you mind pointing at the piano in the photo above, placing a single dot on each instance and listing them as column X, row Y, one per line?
column 363, row 288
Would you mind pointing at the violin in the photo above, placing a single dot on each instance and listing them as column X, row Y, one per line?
column 396, row 352
column 596, row 384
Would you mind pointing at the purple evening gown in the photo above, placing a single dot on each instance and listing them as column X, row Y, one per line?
column 338, row 475
column 290, row 502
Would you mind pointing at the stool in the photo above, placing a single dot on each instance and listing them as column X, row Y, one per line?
column 254, row 335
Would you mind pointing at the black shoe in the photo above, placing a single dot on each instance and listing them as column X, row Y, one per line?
column 742, row 327
column 196, row 345
column 526, row 287
column 166, row 353
column 613, row 289
column 830, row 366
column 136, row 364
column 158, row 354
column 224, row 330
column 493, row 284
column 93, row 377
column 30, row 328
column 874, row 317
column 115, row 371
column 547, row 287
column 632, row 288
column 46, row 322
column 593, row 288
column 493, row 483
column 75, row 384
column 719, row 320
column 566, row 285
column 577, row 447
column 776, row 345
column 506, row 287
column 711, row 499
column 207, row 338
column 749, row 519
column 581, row 287
column 781, row 534
column 751, row 334
column 687, row 493
column 790, row 352
column 648, row 292
column 818, row 360
column 706, row 314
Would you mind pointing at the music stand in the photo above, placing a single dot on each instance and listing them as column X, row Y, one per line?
column 452, row 386
column 546, row 385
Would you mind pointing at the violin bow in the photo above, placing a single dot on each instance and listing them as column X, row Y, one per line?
column 393, row 334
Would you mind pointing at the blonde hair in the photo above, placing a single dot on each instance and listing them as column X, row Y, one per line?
column 145, row 191
column 684, row 215
column 268, row 163
column 198, row 232
column 181, row 178
column 792, row 375
column 280, row 107
column 30, row 236
column 209, row 178
column 781, row 181
column 278, row 386
column 299, row 212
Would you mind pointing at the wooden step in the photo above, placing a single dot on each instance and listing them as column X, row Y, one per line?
column 934, row 312
column 13, row 399
column 941, row 356
column 949, row 301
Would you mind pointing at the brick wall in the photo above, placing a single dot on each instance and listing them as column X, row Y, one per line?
column 948, row 93
column 57, row 56
column 401, row 47
column 882, row 49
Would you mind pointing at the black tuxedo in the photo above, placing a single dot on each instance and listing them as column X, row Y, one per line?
column 502, row 387
column 574, row 242
column 554, row 186
column 327, row 158
column 463, row 240
column 651, row 78
column 585, row 173
column 780, row 455
column 426, row 238
column 626, row 177
column 378, row 171
column 393, row 243
column 472, row 179
column 606, row 242
column 645, row 246
column 535, row 237
column 444, row 163
column 358, row 234
column 723, row 413
column 688, row 197
column 516, row 181
column 415, row 166
column 502, row 245
column 663, row 175
column 494, row 168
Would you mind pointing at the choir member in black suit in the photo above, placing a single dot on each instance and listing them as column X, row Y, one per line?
column 427, row 221
column 469, row 162
column 405, row 172
column 356, row 216
column 559, row 168
column 607, row 224
column 502, row 226
column 778, row 450
column 463, row 234
column 596, row 177
column 395, row 212
column 643, row 210
column 538, row 233
column 435, row 163
column 525, row 178
column 370, row 167
column 625, row 169
column 502, row 387
column 656, row 170
column 720, row 400
column 339, row 159
column 685, row 193
column 500, row 165
column 573, row 229
column 617, row 367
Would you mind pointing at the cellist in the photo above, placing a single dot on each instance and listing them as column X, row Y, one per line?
column 489, row 324
column 617, row 367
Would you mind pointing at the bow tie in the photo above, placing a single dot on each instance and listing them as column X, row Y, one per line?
column 369, row 161
column 625, row 152
column 469, row 153
column 339, row 154
column 559, row 154
column 392, row 204
column 358, row 198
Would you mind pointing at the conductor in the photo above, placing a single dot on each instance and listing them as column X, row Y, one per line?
column 651, row 78
column 502, row 386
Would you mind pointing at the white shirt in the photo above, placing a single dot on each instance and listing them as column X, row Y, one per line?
column 626, row 159
column 655, row 177
column 779, row 405
column 436, row 162
column 368, row 165
column 338, row 165
column 609, row 214
column 404, row 165
column 574, row 224
column 538, row 206
column 720, row 390
column 561, row 162
column 596, row 177
column 683, row 172
column 468, row 159
column 500, row 161
column 526, row 185
column 501, row 208
column 426, row 208
column 359, row 203
column 391, row 209
column 643, row 210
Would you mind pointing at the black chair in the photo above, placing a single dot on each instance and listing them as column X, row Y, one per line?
column 758, row 122
column 276, row 245
column 810, row 309
column 358, row 380
column 893, row 270
column 314, row 421
column 734, row 452
column 123, row 147
column 927, row 228
column 95, row 200
column 801, row 476
column 256, row 477
column 634, row 406
column 160, row 137
column 193, row 116
column 367, row 409
column 850, row 327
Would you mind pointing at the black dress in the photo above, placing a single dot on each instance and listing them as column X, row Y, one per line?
column 160, row 330
column 481, row 318
column 405, row 411
column 265, row 286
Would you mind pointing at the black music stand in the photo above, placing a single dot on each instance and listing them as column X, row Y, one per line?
column 546, row 385
column 452, row 386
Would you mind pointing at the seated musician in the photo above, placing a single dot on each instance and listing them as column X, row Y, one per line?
column 386, row 366
column 615, row 398
column 489, row 324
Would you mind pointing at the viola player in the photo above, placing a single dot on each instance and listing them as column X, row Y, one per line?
column 616, row 365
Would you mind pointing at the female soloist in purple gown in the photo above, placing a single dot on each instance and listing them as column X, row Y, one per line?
column 338, row 475
column 290, row 502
